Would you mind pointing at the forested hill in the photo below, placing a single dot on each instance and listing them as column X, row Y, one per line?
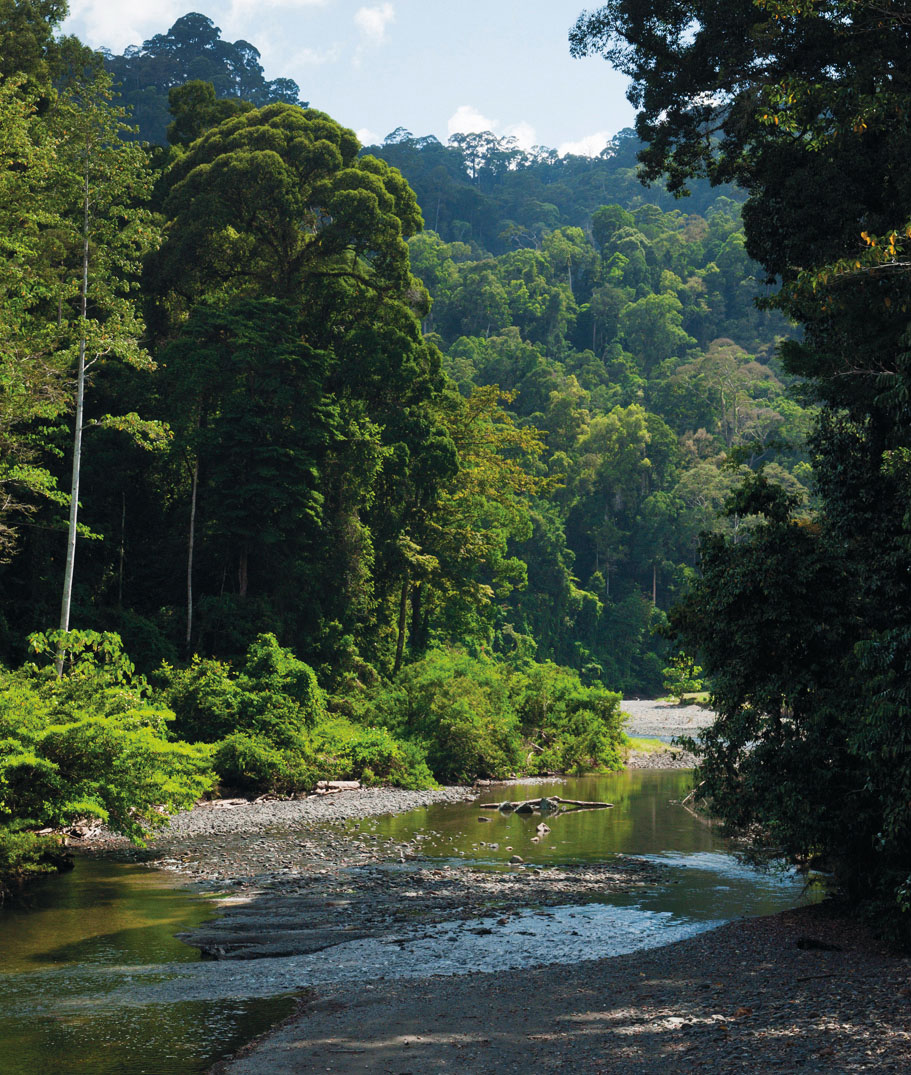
column 487, row 190
column 593, row 371
column 622, row 323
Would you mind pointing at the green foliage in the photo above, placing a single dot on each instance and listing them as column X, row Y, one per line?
column 250, row 762
column 349, row 751
column 459, row 707
column 191, row 54
column 91, row 743
column 476, row 717
column 24, row 855
column 682, row 676
column 273, row 695
column 569, row 727
column 802, row 625
column 271, row 730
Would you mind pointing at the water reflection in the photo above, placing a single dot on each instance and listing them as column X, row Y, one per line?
column 705, row 880
column 79, row 969
column 88, row 928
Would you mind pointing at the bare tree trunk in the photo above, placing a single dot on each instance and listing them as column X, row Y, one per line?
column 191, row 547
column 122, row 557
column 243, row 571
column 654, row 584
column 403, row 616
column 66, row 600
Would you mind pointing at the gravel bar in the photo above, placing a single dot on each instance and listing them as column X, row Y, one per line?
column 801, row 992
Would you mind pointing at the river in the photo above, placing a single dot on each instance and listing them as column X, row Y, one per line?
column 93, row 980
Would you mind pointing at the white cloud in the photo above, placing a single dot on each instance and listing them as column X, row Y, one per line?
column 307, row 57
column 373, row 21
column 130, row 22
column 367, row 137
column 114, row 26
column 468, row 120
column 524, row 134
column 590, row 146
column 245, row 7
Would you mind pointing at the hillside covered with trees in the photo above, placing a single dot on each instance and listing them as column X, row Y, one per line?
column 325, row 461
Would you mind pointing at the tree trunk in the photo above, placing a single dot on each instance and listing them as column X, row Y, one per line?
column 403, row 616
column 417, row 609
column 122, row 556
column 66, row 600
column 243, row 571
column 191, row 548
column 654, row 584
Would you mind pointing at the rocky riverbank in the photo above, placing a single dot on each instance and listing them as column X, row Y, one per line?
column 800, row 992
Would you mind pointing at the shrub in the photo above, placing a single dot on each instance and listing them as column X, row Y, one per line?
column 23, row 855
column 251, row 763
column 90, row 743
column 682, row 676
column 570, row 726
column 460, row 707
column 273, row 695
column 348, row 751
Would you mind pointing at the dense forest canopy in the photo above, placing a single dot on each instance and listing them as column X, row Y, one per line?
column 391, row 462
column 191, row 51
column 373, row 436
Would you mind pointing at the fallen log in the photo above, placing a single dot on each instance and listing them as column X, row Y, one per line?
column 528, row 805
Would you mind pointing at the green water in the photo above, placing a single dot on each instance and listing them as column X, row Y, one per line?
column 644, row 819
column 705, row 878
column 107, row 928
column 81, row 934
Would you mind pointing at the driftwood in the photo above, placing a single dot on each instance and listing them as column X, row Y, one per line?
column 551, row 802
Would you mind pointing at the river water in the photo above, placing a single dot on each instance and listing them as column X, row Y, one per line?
column 93, row 980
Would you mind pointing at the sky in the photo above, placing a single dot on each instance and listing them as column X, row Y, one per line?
column 430, row 66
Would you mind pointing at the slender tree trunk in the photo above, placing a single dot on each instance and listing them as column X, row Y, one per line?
column 122, row 557
column 654, row 584
column 243, row 571
column 191, row 548
column 403, row 617
column 418, row 621
column 77, row 440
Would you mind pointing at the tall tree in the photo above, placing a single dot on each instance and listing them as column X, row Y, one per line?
column 275, row 204
column 103, row 184
column 192, row 51
column 31, row 370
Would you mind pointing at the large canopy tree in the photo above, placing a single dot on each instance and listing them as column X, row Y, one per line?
column 275, row 204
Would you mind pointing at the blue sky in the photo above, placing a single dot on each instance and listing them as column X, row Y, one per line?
column 432, row 66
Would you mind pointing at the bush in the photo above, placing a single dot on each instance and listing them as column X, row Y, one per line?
column 475, row 717
column 569, row 727
column 91, row 743
column 251, row 763
column 682, row 676
column 24, row 855
column 347, row 751
column 459, row 708
column 273, row 695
